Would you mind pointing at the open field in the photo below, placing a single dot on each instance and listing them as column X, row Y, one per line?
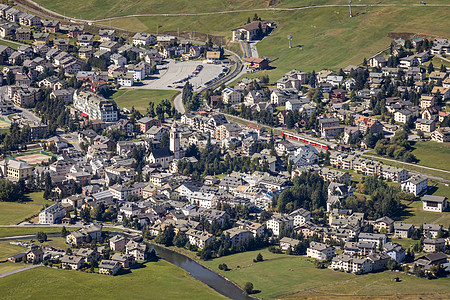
column 12, row 213
column 155, row 280
column 24, row 230
column 140, row 98
column 322, row 37
column 399, row 164
column 9, row 266
column 280, row 275
column 419, row 216
column 93, row 9
column 6, row 249
column 433, row 154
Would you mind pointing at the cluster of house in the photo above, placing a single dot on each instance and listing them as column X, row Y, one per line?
column 415, row 184
column 363, row 252
column 126, row 252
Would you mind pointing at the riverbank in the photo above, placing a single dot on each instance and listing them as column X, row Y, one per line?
column 199, row 271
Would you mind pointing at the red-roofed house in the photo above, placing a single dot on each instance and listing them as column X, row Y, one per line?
column 257, row 63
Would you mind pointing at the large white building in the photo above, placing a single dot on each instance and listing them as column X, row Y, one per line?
column 96, row 107
column 231, row 96
column 278, row 220
column 52, row 214
column 415, row 185
column 434, row 203
column 319, row 251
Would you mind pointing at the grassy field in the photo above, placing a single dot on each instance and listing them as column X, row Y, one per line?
column 13, row 213
column 14, row 231
column 280, row 275
column 399, row 164
column 418, row 216
column 156, row 280
column 94, row 9
column 140, row 98
column 381, row 285
column 9, row 266
column 324, row 38
column 6, row 249
column 433, row 154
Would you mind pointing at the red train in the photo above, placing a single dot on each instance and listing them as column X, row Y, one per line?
column 304, row 140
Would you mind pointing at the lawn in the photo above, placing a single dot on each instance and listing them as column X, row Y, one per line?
column 155, row 280
column 433, row 154
column 14, row 231
column 9, row 266
column 322, row 37
column 6, row 249
column 279, row 275
column 411, row 167
column 12, row 213
column 381, row 284
column 294, row 277
column 94, row 9
column 417, row 216
column 140, row 98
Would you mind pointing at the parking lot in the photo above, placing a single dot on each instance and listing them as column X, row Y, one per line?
column 176, row 71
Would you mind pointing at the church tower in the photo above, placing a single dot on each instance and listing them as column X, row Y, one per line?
column 175, row 141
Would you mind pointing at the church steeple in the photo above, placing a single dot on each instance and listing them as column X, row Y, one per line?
column 175, row 140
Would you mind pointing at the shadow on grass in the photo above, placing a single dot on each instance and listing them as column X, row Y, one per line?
column 255, row 292
column 405, row 213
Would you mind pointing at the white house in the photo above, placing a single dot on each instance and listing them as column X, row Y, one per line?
column 231, row 96
column 434, row 203
column 52, row 214
column 301, row 216
column 319, row 251
column 278, row 220
column 415, row 185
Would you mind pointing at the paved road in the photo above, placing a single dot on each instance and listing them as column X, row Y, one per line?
column 19, row 270
column 178, row 102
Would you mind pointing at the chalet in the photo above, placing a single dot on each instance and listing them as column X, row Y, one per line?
column 251, row 31
column 72, row 262
column 320, row 251
column 109, row 267
column 257, row 63
column 441, row 135
column 403, row 230
column 434, row 245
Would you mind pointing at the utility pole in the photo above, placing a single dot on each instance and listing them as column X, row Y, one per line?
column 350, row 7
column 157, row 29
column 178, row 32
